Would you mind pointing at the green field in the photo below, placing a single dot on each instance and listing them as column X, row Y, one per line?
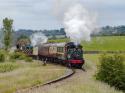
column 103, row 43
column 58, row 40
column 108, row 43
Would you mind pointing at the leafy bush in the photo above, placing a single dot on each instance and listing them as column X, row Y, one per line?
column 28, row 59
column 20, row 56
column 112, row 70
column 2, row 56
column 17, row 55
column 7, row 67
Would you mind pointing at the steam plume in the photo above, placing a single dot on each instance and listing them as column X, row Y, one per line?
column 77, row 21
column 38, row 38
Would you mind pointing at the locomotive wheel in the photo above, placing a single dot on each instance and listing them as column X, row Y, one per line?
column 62, row 63
column 68, row 65
column 79, row 66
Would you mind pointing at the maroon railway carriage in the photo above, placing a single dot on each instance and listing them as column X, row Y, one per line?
column 64, row 53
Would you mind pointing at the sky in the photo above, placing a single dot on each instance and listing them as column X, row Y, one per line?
column 40, row 14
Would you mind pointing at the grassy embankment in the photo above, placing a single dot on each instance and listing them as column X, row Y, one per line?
column 103, row 43
column 19, row 75
column 84, row 82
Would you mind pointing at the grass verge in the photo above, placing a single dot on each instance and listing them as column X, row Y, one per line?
column 27, row 75
column 83, row 82
column 7, row 67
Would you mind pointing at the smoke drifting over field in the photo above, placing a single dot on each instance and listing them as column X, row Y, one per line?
column 78, row 22
column 38, row 38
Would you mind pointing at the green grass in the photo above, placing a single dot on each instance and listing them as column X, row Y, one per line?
column 103, row 43
column 7, row 67
column 84, row 82
column 27, row 75
column 91, row 60
column 92, row 57
column 59, row 40
column 113, row 43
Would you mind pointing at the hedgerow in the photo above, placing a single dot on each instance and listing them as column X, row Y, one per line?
column 112, row 71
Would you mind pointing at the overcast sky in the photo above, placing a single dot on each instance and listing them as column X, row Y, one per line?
column 38, row 14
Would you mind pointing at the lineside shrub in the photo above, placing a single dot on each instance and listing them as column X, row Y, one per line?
column 20, row 56
column 17, row 56
column 7, row 67
column 2, row 56
column 112, row 71
column 28, row 59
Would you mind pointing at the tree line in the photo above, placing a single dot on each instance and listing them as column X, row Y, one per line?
column 111, row 31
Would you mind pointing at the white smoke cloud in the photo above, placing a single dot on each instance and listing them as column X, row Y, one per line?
column 38, row 38
column 78, row 22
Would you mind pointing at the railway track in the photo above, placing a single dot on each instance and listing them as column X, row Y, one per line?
column 68, row 74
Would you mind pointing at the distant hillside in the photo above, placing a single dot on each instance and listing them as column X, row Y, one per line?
column 60, row 33
column 104, row 31
column 48, row 33
column 51, row 34
column 112, row 31
column 20, row 32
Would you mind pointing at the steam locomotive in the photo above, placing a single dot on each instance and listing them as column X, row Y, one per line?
column 70, row 54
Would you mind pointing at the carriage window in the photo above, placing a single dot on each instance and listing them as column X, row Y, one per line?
column 60, row 49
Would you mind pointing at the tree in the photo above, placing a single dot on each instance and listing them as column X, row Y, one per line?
column 7, row 30
column 23, row 37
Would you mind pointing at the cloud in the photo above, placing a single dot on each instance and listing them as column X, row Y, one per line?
column 39, row 14
column 34, row 14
